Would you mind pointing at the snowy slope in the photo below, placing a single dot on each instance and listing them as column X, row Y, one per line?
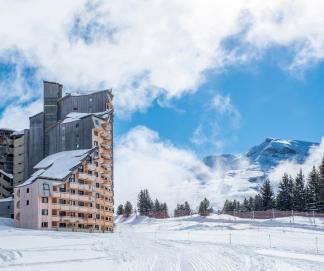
column 243, row 174
column 190, row 243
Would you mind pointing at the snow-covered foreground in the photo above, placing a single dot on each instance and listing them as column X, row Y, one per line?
column 190, row 243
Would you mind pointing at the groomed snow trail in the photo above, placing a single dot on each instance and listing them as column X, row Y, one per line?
column 190, row 244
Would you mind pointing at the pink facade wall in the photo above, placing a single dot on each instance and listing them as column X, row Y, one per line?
column 31, row 215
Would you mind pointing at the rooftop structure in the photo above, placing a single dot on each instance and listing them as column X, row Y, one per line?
column 70, row 190
column 58, row 109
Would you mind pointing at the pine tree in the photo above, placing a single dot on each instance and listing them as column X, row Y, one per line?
column 251, row 203
column 321, row 181
column 313, row 189
column 284, row 199
column 157, row 206
column 246, row 206
column 187, row 208
column 128, row 210
column 299, row 197
column 144, row 203
column 120, row 209
column 204, row 208
column 266, row 194
column 164, row 209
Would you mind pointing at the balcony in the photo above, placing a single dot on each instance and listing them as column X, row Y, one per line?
column 79, row 186
column 55, row 218
column 105, row 146
column 91, row 167
column 85, row 176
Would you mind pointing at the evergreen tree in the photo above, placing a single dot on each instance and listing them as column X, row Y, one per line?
column 120, row 209
column 164, row 210
column 128, row 210
column 284, row 199
column 144, row 203
column 187, row 208
column 246, row 206
column 313, row 189
column 251, row 203
column 299, row 197
column 257, row 203
column 321, row 181
column 204, row 208
column 157, row 206
column 266, row 194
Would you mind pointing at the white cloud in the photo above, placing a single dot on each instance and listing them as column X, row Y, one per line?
column 315, row 157
column 169, row 173
column 224, row 105
column 145, row 49
column 16, row 116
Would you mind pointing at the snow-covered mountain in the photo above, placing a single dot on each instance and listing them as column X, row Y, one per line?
column 243, row 174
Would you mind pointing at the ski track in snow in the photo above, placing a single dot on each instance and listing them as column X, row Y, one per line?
column 190, row 244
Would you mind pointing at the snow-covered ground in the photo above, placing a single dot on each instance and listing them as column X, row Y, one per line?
column 190, row 243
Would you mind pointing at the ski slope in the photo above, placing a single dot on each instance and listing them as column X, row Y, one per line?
column 189, row 243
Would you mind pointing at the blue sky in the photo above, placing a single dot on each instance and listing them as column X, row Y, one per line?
column 211, row 76
column 271, row 101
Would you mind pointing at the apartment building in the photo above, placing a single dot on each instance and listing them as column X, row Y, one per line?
column 72, row 189
column 56, row 110
column 12, row 160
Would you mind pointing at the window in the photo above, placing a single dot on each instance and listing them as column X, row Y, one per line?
column 27, row 190
column 96, row 174
column 75, row 109
column 77, row 125
column 80, row 192
column 81, row 203
column 97, row 195
column 98, row 206
column 72, row 179
column 97, row 216
column 44, row 224
column 97, row 185
column 80, row 169
column 62, row 213
column 97, row 164
column 62, row 201
column 46, row 187
column 72, row 202
column 95, row 143
column 62, row 188
column 44, row 211
column 72, row 191
column 27, row 202
column 44, row 200
column 89, row 172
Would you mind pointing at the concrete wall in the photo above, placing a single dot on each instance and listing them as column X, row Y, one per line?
column 71, row 136
column 27, row 216
column 91, row 103
column 19, row 160
column 36, row 141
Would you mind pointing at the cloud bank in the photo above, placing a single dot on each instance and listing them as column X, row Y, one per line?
column 148, row 50
column 315, row 157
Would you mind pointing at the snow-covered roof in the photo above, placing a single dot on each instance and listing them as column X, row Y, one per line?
column 6, row 174
column 32, row 178
column 58, row 165
column 18, row 133
column 74, row 116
